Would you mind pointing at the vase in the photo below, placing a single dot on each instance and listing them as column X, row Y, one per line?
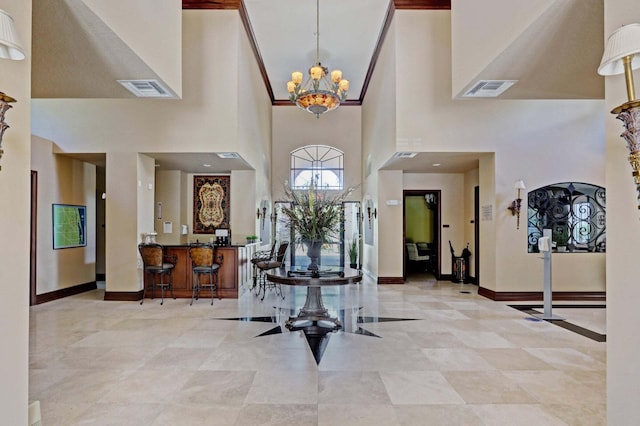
column 313, row 252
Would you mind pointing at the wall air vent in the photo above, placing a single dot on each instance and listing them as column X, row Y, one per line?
column 228, row 155
column 405, row 154
column 146, row 88
column 489, row 88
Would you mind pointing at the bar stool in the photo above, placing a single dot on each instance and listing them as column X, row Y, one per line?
column 202, row 259
column 267, row 265
column 157, row 264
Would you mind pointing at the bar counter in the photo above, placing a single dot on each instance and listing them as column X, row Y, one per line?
column 233, row 273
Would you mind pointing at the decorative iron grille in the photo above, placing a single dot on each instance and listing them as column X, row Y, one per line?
column 575, row 212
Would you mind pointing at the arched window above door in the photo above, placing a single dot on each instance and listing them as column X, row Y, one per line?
column 321, row 164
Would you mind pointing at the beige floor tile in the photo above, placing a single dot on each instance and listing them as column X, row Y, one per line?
column 186, row 415
column 464, row 360
column 512, row 359
column 351, row 387
column 125, row 414
column 213, row 387
column 580, row 415
column 284, row 387
column 278, row 415
column 356, row 414
column 419, row 387
column 146, row 386
column 436, row 415
column 515, row 415
column 566, row 358
column 557, row 387
column 487, row 387
column 456, row 359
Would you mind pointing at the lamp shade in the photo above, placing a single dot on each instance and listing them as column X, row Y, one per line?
column 622, row 42
column 9, row 44
column 519, row 184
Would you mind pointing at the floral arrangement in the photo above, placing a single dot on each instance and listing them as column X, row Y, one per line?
column 314, row 215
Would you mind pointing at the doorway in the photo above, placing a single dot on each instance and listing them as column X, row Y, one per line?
column 33, row 246
column 421, row 234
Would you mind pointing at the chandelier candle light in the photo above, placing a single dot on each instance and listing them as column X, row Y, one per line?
column 321, row 92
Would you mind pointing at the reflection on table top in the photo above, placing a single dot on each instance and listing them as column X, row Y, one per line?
column 328, row 276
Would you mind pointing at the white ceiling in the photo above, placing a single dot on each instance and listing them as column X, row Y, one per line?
column 553, row 59
column 436, row 162
column 285, row 33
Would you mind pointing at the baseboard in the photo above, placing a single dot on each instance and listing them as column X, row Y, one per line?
column 65, row 292
column 123, row 296
column 390, row 280
column 503, row 296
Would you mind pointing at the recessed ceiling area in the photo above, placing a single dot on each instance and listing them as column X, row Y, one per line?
column 436, row 162
column 198, row 162
column 189, row 162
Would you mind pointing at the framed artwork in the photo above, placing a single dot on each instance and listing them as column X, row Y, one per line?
column 210, row 203
column 69, row 226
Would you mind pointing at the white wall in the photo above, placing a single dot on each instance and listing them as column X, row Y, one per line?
column 199, row 122
column 62, row 180
column 14, row 225
column 156, row 41
column 122, row 231
column 491, row 33
column 168, row 192
column 294, row 128
column 623, row 234
column 525, row 135
column 378, row 134
column 386, row 235
column 214, row 43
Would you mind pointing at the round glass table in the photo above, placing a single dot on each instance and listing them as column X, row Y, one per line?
column 314, row 316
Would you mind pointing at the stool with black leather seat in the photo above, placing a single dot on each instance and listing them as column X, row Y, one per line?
column 204, row 261
column 156, row 263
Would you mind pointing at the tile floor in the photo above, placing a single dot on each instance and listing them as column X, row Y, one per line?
column 465, row 360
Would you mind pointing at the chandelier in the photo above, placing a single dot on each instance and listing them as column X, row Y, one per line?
column 322, row 91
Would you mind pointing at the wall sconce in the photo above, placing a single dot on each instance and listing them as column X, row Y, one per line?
column 371, row 211
column 262, row 210
column 431, row 201
column 515, row 204
column 9, row 49
column 620, row 56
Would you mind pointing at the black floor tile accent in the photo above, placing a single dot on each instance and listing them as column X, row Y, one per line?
column 529, row 309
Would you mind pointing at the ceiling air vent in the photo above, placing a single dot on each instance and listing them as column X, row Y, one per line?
column 489, row 88
column 146, row 88
column 405, row 154
column 228, row 155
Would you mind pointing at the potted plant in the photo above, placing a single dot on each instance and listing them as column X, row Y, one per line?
column 252, row 239
column 353, row 254
column 314, row 215
column 561, row 238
